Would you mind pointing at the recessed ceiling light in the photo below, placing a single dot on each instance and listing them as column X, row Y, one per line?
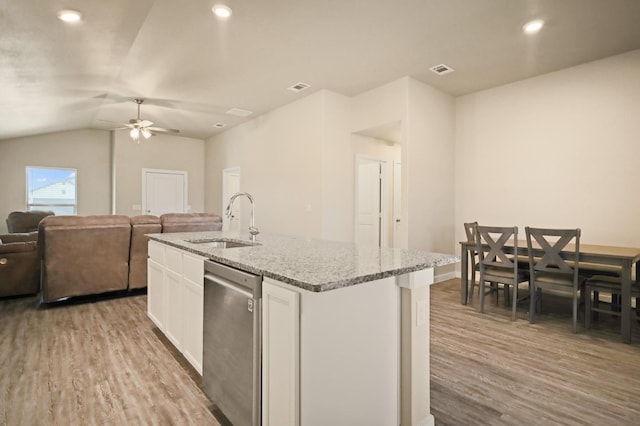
column 533, row 27
column 221, row 10
column 69, row 15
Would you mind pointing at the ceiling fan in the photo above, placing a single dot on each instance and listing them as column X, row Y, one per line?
column 142, row 127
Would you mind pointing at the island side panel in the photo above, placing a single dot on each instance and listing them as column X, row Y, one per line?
column 415, row 372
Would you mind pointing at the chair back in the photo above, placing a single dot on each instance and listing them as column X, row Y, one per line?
column 490, row 244
column 470, row 230
column 553, row 242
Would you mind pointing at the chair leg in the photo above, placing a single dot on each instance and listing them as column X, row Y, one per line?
column 575, row 312
column 596, row 303
column 481, row 287
column 473, row 283
column 532, row 303
column 514, row 302
column 587, row 307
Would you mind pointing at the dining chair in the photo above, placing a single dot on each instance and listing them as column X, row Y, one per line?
column 496, row 265
column 469, row 229
column 606, row 284
column 552, row 270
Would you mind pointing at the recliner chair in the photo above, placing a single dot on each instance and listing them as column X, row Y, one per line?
column 19, row 264
column 19, row 222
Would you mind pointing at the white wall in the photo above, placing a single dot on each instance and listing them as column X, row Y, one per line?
column 87, row 151
column 428, row 161
column 338, row 164
column 299, row 161
column 280, row 158
column 559, row 150
column 165, row 152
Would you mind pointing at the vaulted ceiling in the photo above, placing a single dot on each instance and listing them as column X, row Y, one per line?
column 192, row 67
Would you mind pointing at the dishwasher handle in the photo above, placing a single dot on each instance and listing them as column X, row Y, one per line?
column 228, row 284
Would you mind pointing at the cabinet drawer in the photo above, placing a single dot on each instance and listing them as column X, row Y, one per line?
column 173, row 259
column 156, row 252
column 193, row 268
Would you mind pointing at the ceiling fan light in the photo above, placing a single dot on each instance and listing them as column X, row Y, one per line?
column 146, row 133
column 221, row 10
column 134, row 133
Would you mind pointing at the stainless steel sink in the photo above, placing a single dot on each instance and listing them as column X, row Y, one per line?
column 222, row 243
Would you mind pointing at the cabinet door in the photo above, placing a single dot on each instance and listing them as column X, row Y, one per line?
column 155, row 299
column 280, row 355
column 193, row 307
column 193, row 304
column 173, row 307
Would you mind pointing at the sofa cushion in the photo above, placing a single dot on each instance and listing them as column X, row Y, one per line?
column 190, row 222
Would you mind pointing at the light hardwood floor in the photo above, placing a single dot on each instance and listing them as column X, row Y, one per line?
column 104, row 363
column 486, row 369
column 97, row 363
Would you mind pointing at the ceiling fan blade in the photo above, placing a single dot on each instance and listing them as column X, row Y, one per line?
column 163, row 130
column 145, row 123
column 146, row 132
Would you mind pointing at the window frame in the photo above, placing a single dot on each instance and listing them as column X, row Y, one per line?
column 51, row 206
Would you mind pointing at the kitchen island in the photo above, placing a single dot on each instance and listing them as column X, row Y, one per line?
column 345, row 328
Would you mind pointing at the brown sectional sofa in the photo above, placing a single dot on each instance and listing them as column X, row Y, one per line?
column 83, row 255
column 19, row 264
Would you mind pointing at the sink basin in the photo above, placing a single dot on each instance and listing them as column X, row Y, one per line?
column 222, row 243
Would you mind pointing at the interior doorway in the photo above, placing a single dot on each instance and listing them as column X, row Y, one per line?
column 164, row 191
column 230, row 186
column 371, row 206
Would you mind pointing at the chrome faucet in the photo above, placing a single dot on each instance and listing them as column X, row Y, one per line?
column 228, row 212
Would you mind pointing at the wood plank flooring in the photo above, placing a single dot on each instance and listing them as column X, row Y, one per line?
column 104, row 363
column 486, row 369
column 92, row 363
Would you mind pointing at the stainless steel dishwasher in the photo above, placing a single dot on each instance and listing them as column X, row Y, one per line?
column 232, row 353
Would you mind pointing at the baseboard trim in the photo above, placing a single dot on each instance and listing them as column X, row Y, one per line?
column 444, row 277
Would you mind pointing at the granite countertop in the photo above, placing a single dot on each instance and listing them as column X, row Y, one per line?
column 310, row 264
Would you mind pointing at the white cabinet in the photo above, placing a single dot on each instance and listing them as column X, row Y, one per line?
column 280, row 355
column 193, row 309
column 155, row 292
column 336, row 349
column 173, row 307
column 175, row 298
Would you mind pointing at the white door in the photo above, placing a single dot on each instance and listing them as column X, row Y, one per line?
column 164, row 191
column 231, row 186
column 369, row 202
column 397, row 202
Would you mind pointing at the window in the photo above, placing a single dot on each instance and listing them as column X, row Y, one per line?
column 52, row 189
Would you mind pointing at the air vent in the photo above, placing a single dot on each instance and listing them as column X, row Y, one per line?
column 442, row 69
column 219, row 125
column 239, row 112
column 299, row 87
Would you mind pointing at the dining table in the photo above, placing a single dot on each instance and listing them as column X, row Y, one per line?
column 624, row 257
